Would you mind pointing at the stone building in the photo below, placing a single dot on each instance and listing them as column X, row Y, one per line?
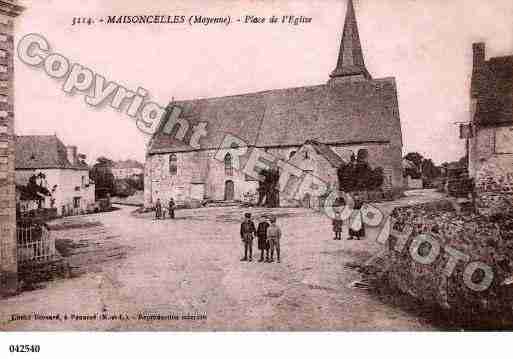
column 352, row 111
column 9, row 10
column 491, row 137
column 492, row 110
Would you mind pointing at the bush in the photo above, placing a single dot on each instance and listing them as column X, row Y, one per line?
column 359, row 176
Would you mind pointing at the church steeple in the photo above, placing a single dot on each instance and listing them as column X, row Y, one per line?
column 350, row 62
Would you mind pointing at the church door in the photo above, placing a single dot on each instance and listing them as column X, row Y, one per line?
column 229, row 190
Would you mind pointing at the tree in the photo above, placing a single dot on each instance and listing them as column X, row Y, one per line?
column 268, row 188
column 359, row 176
column 430, row 170
column 463, row 161
column 102, row 176
column 136, row 182
column 424, row 167
column 416, row 158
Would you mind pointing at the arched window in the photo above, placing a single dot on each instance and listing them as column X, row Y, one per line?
column 228, row 169
column 172, row 164
column 292, row 153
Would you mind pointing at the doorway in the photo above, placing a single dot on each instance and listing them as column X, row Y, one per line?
column 229, row 190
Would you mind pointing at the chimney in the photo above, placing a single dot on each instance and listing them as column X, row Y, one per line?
column 71, row 152
column 479, row 50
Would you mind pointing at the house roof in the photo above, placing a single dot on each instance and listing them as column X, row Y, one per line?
column 325, row 151
column 43, row 152
column 128, row 164
column 492, row 86
column 343, row 113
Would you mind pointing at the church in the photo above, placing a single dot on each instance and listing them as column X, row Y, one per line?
column 316, row 128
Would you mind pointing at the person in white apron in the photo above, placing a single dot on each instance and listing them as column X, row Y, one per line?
column 356, row 227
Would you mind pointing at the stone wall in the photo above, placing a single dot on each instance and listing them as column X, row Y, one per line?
column 193, row 169
column 8, row 247
column 481, row 238
column 490, row 144
column 494, row 185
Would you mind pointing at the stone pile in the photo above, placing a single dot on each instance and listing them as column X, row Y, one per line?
column 483, row 238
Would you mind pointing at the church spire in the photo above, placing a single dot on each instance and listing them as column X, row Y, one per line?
column 350, row 58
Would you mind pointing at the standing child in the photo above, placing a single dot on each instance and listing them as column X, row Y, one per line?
column 337, row 226
column 273, row 236
column 158, row 209
column 263, row 244
column 171, row 207
column 247, row 230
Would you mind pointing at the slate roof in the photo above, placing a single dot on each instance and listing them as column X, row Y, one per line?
column 43, row 152
column 325, row 151
column 341, row 113
column 128, row 164
column 492, row 86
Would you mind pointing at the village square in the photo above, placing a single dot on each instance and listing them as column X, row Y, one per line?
column 297, row 208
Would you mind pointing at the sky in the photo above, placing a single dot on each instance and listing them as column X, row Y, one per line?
column 425, row 44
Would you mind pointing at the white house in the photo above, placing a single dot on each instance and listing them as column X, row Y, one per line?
column 57, row 168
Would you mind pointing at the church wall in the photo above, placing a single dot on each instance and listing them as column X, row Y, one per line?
column 184, row 185
column 163, row 184
column 217, row 178
column 159, row 183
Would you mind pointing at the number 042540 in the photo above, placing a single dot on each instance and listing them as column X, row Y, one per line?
column 24, row 348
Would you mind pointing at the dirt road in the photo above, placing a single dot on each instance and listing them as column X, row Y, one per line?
column 191, row 265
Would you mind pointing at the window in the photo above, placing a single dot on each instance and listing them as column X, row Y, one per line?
column 3, row 69
column 83, row 181
column 306, row 155
column 3, row 53
column 172, row 164
column 228, row 169
column 76, row 202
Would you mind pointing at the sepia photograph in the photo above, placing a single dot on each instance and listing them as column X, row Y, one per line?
column 255, row 166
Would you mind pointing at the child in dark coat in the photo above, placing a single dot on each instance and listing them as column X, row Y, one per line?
column 263, row 244
column 158, row 209
column 247, row 230
column 337, row 226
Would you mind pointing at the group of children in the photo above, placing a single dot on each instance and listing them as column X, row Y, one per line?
column 268, row 234
column 160, row 211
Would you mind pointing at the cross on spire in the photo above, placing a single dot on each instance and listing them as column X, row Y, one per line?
column 350, row 57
